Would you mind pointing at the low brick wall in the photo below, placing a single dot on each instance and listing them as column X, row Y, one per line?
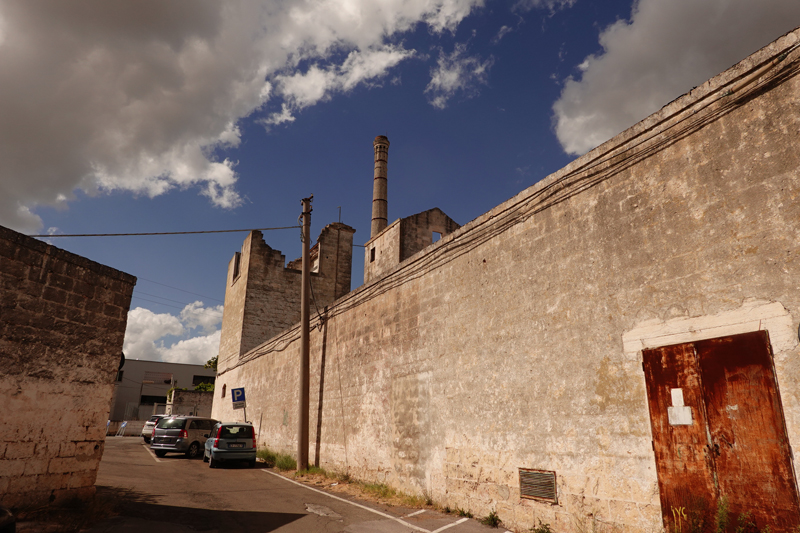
column 62, row 323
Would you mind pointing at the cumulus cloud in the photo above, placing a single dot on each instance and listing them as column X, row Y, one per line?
column 665, row 49
column 303, row 89
column 194, row 351
column 146, row 333
column 144, row 329
column 196, row 315
column 134, row 96
column 457, row 74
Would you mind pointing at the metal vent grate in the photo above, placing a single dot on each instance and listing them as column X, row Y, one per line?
column 538, row 485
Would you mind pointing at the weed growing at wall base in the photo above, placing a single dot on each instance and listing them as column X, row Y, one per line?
column 272, row 459
column 491, row 520
column 541, row 528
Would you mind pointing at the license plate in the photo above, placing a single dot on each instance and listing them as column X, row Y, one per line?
column 236, row 445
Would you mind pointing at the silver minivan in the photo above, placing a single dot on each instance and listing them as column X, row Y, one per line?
column 181, row 434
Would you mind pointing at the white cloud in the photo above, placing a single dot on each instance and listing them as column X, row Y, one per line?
column 502, row 32
column 144, row 329
column 666, row 48
column 195, row 315
column 146, row 333
column 194, row 351
column 304, row 89
column 134, row 95
column 456, row 74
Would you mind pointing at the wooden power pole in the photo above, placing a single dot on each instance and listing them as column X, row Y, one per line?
column 304, row 403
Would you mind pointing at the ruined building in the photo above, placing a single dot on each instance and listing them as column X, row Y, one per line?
column 616, row 342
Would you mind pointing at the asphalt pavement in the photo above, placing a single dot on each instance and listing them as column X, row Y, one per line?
column 178, row 495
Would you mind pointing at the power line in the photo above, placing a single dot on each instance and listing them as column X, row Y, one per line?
column 163, row 233
column 162, row 298
column 177, row 289
column 155, row 302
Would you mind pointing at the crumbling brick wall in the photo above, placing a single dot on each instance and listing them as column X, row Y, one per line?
column 62, row 323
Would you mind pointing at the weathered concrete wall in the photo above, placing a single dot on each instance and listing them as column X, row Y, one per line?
column 516, row 341
column 382, row 253
column 62, row 322
column 416, row 231
column 404, row 238
column 263, row 296
column 189, row 402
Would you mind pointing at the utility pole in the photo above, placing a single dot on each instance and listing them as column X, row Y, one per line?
column 302, row 428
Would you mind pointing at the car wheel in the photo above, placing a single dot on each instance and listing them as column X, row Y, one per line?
column 212, row 463
column 253, row 463
column 146, row 440
column 160, row 453
column 193, row 451
column 205, row 457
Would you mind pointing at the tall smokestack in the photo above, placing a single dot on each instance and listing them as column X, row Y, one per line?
column 379, row 186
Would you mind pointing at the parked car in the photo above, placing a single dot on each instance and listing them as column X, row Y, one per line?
column 181, row 434
column 230, row 441
column 147, row 430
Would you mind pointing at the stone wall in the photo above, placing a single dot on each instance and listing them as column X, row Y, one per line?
column 402, row 239
column 189, row 402
column 62, row 322
column 516, row 341
column 263, row 296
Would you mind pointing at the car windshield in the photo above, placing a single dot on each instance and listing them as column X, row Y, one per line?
column 171, row 423
column 236, row 432
column 154, row 419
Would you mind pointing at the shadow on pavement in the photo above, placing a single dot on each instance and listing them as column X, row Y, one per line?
column 139, row 512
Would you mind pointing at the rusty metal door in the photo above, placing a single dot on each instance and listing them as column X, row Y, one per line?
column 719, row 432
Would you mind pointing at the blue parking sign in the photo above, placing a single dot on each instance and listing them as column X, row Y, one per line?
column 237, row 396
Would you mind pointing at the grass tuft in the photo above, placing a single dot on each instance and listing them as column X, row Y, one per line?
column 281, row 461
column 541, row 528
column 491, row 520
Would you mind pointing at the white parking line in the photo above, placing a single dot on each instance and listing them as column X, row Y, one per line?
column 146, row 447
column 390, row 517
column 415, row 513
column 448, row 526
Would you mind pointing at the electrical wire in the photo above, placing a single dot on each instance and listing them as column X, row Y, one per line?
column 665, row 132
column 167, row 299
column 177, row 289
column 164, row 232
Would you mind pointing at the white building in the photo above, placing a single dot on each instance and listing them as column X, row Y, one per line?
column 140, row 389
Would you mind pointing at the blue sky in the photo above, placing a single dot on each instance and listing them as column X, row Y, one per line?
column 187, row 115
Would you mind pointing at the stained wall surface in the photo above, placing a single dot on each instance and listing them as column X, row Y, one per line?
column 517, row 340
column 262, row 296
column 189, row 402
column 62, row 323
column 402, row 239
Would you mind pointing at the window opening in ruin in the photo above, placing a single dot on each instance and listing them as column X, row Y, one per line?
column 372, row 255
column 223, row 390
column 236, row 260
column 436, row 236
